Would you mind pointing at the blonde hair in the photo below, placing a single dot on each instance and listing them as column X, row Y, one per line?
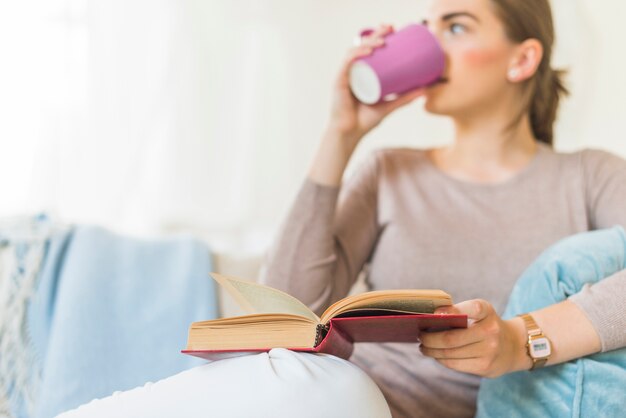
column 532, row 19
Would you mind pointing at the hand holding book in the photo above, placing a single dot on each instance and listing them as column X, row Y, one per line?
column 277, row 319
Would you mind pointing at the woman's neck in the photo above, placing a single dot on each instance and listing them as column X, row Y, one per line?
column 484, row 151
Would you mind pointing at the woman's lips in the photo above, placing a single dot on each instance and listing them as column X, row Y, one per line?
column 442, row 80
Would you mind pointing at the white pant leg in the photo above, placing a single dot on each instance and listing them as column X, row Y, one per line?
column 278, row 384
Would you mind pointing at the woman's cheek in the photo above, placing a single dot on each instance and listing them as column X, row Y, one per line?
column 479, row 68
column 481, row 58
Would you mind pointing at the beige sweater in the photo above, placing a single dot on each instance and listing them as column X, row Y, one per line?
column 412, row 226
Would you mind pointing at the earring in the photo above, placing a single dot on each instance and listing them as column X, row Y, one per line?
column 513, row 74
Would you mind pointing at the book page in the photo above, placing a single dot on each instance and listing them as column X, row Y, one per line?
column 255, row 298
column 408, row 300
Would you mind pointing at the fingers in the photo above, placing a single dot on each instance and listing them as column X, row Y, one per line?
column 378, row 34
column 477, row 366
column 368, row 44
column 450, row 339
column 468, row 351
column 475, row 309
column 353, row 55
column 362, row 50
column 401, row 100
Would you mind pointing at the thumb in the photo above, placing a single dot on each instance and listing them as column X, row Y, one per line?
column 448, row 310
column 476, row 309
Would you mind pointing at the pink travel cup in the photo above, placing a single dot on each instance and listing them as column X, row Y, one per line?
column 411, row 57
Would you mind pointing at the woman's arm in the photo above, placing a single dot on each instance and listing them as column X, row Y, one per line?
column 589, row 321
column 351, row 120
column 325, row 240
column 604, row 178
column 491, row 346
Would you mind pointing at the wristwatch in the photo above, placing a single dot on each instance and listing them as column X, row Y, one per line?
column 538, row 346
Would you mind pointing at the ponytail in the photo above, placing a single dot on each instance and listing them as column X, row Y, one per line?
column 532, row 19
column 544, row 104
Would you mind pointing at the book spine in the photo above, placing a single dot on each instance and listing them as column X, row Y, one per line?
column 334, row 341
column 321, row 331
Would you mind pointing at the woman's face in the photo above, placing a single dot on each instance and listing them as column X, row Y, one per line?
column 478, row 57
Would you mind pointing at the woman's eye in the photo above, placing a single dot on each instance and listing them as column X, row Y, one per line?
column 456, row 28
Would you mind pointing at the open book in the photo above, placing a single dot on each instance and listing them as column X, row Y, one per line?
column 277, row 319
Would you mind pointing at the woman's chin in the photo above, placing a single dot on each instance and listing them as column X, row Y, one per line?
column 432, row 105
column 435, row 96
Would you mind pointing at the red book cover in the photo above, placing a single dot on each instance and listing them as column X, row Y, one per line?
column 339, row 336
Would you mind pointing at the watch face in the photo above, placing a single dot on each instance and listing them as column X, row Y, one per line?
column 540, row 347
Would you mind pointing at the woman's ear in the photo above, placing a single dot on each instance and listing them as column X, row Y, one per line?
column 525, row 61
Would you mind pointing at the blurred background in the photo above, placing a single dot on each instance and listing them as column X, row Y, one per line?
column 154, row 118
column 165, row 116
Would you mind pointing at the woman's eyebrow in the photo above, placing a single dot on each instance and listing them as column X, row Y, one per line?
column 452, row 15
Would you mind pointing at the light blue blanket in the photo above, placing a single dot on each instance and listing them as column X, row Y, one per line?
column 593, row 386
column 23, row 245
column 111, row 313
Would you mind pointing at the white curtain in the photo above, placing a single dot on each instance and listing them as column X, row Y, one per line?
column 160, row 116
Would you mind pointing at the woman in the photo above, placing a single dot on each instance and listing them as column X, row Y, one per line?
column 466, row 218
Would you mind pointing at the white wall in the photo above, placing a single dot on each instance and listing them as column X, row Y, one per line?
column 152, row 117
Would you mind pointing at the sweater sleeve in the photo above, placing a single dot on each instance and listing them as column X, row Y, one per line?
column 326, row 239
column 605, row 182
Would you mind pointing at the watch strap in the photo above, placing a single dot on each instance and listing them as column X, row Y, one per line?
column 533, row 330
column 537, row 363
column 531, row 326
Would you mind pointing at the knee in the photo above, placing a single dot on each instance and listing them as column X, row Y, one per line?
column 564, row 268
column 330, row 386
column 278, row 384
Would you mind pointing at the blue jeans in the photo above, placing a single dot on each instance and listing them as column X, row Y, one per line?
column 591, row 386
